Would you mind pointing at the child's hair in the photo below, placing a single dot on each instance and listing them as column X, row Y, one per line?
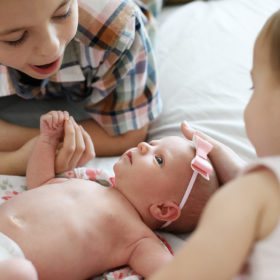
column 271, row 31
column 200, row 193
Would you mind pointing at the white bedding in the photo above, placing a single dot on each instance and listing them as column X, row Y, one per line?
column 205, row 56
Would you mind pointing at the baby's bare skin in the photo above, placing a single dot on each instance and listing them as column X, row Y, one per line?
column 74, row 229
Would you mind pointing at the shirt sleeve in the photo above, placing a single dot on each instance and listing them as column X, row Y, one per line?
column 124, row 92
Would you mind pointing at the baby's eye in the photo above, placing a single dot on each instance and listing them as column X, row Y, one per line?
column 159, row 160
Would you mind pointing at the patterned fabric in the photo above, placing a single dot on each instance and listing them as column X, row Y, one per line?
column 11, row 186
column 110, row 63
column 93, row 174
column 125, row 273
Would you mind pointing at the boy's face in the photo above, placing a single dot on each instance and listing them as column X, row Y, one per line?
column 34, row 34
column 157, row 169
column 262, row 114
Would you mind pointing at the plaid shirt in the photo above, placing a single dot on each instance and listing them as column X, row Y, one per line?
column 110, row 62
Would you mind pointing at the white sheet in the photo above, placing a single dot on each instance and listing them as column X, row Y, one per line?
column 205, row 56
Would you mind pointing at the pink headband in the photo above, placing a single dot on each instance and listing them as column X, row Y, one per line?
column 199, row 165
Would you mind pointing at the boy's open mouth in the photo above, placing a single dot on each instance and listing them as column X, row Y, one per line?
column 45, row 65
column 46, row 69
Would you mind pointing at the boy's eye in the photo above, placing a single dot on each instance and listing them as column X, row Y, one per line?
column 19, row 41
column 159, row 160
column 67, row 14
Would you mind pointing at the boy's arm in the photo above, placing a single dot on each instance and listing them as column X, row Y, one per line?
column 13, row 137
column 15, row 162
column 106, row 145
column 235, row 217
column 149, row 256
column 76, row 150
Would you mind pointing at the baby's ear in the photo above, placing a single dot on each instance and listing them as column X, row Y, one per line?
column 167, row 211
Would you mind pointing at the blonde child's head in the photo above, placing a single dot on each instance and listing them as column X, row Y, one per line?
column 270, row 34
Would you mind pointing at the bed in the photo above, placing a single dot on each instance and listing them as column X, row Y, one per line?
column 204, row 57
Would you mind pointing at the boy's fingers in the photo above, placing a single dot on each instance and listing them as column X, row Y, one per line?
column 65, row 154
column 89, row 152
column 79, row 146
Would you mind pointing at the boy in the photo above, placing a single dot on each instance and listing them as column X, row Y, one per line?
column 95, row 56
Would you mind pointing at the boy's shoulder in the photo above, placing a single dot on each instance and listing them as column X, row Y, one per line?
column 106, row 21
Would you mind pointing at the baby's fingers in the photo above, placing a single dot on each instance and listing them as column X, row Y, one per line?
column 46, row 121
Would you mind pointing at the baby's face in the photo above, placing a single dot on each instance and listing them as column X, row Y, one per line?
column 262, row 114
column 34, row 34
column 155, row 169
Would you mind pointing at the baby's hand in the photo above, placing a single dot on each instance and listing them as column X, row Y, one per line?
column 52, row 125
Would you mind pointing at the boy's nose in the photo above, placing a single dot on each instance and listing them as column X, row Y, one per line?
column 143, row 147
column 50, row 43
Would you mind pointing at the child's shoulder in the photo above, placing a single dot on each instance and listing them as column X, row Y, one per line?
column 271, row 163
column 106, row 20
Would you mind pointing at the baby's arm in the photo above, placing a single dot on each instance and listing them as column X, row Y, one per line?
column 149, row 256
column 237, row 215
column 40, row 168
column 17, row 268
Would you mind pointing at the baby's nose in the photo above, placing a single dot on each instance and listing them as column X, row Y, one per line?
column 143, row 147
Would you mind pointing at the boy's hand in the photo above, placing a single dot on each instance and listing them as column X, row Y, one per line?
column 52, row 126
column 226, row 162
column 76, row 149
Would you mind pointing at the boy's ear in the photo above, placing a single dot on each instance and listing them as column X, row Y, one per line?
column 167, row 211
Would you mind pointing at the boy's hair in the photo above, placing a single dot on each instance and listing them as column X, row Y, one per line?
column 200, row 193
column 271, row 31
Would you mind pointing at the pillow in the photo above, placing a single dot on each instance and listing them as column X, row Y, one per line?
column 204, row 57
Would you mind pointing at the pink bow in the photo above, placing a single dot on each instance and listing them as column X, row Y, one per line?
column 199, row 162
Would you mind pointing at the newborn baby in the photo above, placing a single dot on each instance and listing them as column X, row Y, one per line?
column 76, row 228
